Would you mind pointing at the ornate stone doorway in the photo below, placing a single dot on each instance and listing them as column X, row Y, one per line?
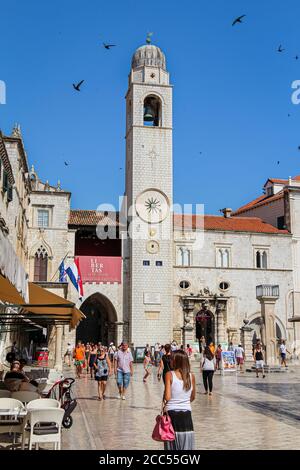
column 205, row 325
column 100, row 322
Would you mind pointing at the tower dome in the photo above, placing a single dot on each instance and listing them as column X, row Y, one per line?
column 148, row 55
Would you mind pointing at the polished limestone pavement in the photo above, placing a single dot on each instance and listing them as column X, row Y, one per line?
column 243, row 413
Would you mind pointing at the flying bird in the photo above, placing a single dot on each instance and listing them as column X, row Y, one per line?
column 238, row 20
column 296, row 57
column 77, row 87
column 280, row 49
column 66, row 163
column 108, row 46
column 278, row 162
column 298, row 147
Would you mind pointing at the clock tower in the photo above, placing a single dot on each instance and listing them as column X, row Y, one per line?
column 148, row 260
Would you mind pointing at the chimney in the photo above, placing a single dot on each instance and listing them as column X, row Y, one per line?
column 226, row 212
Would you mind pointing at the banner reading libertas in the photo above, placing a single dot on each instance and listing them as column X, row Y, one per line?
column 100, row 268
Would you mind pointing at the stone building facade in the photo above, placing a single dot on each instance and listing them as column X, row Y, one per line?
column 148, row 273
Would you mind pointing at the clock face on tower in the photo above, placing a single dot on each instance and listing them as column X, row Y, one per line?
column 152, row 206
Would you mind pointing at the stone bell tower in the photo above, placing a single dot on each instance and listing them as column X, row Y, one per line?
column 148, row 283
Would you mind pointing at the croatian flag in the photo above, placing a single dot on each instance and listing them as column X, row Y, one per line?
column 75, row 276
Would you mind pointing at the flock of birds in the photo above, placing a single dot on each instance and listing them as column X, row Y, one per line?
column 237, row 20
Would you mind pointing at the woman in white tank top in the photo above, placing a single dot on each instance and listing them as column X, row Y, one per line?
column 180, row 391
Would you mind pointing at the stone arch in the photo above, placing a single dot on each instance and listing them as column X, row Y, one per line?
column 37, row 245
column 254, row 322
column 100, row 322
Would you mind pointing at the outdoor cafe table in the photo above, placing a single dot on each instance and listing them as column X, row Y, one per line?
column 11, row 413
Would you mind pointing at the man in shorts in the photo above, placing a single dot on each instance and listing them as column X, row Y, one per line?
column 283, row 351
column 68, row 354
column 258, row 357
column 240, row 356
column 123, row 369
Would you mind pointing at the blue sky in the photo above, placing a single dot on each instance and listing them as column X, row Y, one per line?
column 232, row 92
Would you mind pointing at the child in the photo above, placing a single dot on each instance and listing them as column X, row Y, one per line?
column 148, row 363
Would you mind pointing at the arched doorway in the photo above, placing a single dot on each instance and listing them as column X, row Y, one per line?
column 205, row 325
column 99, row 324
column 256, row 325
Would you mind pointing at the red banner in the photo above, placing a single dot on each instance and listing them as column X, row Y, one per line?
column 100, row 268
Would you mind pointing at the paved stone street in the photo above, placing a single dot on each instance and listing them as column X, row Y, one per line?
column 244, row 413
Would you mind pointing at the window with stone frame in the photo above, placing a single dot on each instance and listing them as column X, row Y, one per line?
column 40, row 265
column 261, row 259
column 43, row 218
column 223, row 257
column 184, row 256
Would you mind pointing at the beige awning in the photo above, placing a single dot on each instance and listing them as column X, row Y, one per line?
column 42, row 303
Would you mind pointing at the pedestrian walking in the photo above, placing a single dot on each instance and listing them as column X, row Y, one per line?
column 202, row 344
column 180, row 391
column 283, row 351
column 111, row 352
column 102, row 367
column 218, row 356
column 212, row 347
column 165, row 363
column 208, row 369
column 87, row 355
column 123, row 369
column 240, row 356
column 148, row 364
column 92, row 358
column 68, row 354
column 174, row 346
column 157, row 347
column 189, row 351
column 258, row 357
column 79, row 357
column 231, row 346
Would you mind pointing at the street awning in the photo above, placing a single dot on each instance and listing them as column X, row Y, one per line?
column 43, row 305
column 12, row 268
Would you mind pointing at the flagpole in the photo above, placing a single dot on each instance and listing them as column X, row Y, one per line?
column 58, row 267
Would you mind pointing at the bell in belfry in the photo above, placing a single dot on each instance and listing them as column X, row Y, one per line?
column 148, row 114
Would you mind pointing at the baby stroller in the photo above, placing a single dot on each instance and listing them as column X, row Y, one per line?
column 62, row 391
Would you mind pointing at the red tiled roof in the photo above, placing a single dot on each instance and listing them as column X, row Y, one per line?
column 229, row 224
column 280, row 181
column 87, row 217
column 259, row 201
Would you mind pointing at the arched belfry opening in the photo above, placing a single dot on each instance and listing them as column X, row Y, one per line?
column 152, row 111
column 100, row 322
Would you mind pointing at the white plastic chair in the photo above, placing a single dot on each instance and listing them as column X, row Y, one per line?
column 11, row 424
column 49, row 432
column 25, row 397
column 5, row 394
column 42, row 403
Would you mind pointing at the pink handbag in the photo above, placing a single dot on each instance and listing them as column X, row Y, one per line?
column 163, row 429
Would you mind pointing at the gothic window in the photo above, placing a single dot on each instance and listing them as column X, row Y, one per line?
column 40, row 265
column 43, row 218
column 261, row 259
column 152, row 111
column 223, row 258
column 184, row 284
column 184, row 256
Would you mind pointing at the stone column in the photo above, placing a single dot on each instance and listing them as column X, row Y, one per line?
column 267, row 296
column 58, row 347
column 120, row 333
column 246, row 340
column 221, row 333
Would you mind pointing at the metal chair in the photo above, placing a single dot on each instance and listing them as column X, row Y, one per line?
column 44, row 427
